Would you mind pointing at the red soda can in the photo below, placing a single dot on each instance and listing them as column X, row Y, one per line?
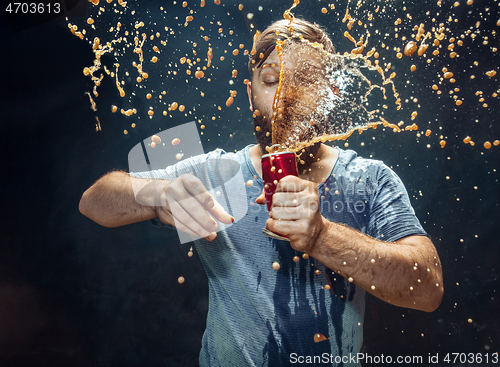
column 274, row 167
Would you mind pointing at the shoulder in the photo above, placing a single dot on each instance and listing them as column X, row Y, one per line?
column 349, row 161
column 351, row 167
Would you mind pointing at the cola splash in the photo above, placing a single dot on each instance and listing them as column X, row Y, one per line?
column 321, row 96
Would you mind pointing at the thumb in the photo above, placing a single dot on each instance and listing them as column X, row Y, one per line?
column 220, row 214
column 262, row 198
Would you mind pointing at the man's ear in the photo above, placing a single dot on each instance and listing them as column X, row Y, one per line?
column 249, row 92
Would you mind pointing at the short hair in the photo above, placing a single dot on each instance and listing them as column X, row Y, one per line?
column 280, row 30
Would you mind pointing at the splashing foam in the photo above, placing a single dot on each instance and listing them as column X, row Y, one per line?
column 321, row 96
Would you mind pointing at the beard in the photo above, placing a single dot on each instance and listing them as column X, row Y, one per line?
column 263, row 134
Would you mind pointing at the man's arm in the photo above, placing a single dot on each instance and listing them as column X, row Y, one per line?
column 405, row 273
column 184, row 203
column 111, row 202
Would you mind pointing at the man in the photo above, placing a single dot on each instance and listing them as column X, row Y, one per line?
column 351, row 229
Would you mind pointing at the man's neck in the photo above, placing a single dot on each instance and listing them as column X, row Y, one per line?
column 316, row 172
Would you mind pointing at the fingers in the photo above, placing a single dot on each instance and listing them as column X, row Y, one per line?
column 289, row 184
column 287, row 199
column 302, row 234
column 166, row 217
column 294, row 209
column 190, row 212
column 195, row 187
column 295, row 184
column 286, row 206
column 292, row 205
column 286, row 213
column 200, row 223
column 220, row 214
column 282, row 227
column 189, row 205
column 188, row 202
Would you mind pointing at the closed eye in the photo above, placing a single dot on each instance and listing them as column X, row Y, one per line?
column 271, row 82
column 270, row 76
column 270, row 79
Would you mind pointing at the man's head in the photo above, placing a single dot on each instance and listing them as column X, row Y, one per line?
column 264, row 67
column 280, row 30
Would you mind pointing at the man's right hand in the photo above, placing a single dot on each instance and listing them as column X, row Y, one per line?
column 118, row 199
column 186, row 204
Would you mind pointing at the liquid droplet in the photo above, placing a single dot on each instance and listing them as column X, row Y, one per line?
column 318, row 337
column 410, row 48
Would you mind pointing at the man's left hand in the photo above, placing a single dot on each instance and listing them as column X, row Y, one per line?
column 296, row 212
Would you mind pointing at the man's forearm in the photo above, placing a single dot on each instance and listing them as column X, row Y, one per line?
column 405, row 273
column 111, row 202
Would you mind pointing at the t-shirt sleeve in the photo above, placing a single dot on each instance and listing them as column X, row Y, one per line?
column 192, row 165
column 391, row 214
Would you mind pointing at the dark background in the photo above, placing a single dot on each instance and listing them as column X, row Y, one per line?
column 73, row 293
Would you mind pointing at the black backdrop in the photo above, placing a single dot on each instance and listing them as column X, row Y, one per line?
column 74, row 293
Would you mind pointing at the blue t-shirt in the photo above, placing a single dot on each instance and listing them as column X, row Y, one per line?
column 258, row 316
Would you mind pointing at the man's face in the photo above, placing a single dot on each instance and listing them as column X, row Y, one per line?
column 265, row 81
